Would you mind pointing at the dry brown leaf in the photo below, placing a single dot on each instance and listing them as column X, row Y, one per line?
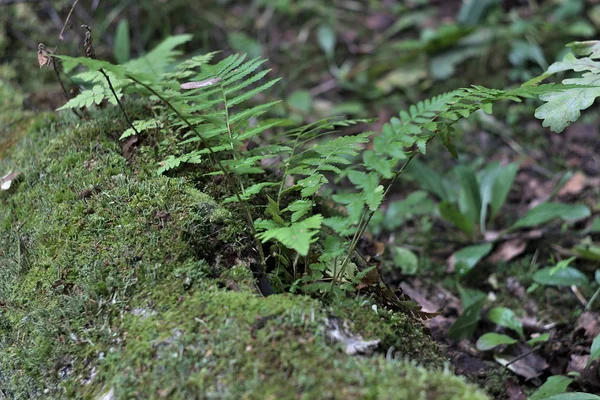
column 508, row 250
column 589, row 322
column 574, row 186
column 43, row 56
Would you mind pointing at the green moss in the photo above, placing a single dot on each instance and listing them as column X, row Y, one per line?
column 114, row 277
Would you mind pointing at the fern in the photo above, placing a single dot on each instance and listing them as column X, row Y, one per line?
column 212, row 107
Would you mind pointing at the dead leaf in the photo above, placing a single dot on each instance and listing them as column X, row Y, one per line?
column 200, row 84
column 530, row 366
column 43, row 56
column 589, row 323
column 6, row 180
column 513, row 390
column 339, row 331
column 127, row 147
column 508, row 250
column 574, row 186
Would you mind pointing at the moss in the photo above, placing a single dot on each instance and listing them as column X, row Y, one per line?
column 115, row 278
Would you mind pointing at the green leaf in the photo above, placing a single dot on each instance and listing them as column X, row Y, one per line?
column 300, row 100
column 548, row 211
column 416, row 203
column 406, row 260
column 563, row 277
column 501, row 187
column 297, row 236
column 544, row 337
column 470, row 198
column 595, row 350
column 574, row 396
column 465, row 324
column 450, row 212
column 554, row 385
column 299, row 209
column 490, row 340
column 506, row 317
column 378, row 163
column 122, row 46
column 429, row 179
column 466, row 258
column 250, row 191
column 326, row 38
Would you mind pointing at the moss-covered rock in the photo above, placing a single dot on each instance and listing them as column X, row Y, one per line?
column 113, row 281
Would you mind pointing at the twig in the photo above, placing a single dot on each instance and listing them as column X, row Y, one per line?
column 60, row 35
column 89, row 51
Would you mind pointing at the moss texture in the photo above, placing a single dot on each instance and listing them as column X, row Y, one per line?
column 112, row 281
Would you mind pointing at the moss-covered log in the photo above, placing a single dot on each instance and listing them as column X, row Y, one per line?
column 112, row 285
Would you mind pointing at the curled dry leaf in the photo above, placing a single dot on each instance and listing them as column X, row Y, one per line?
column 7, row 179
column 43, row 56
column 200, row 84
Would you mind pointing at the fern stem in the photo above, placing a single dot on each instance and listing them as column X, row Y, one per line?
column 363, row 224
column 112, row 89
column 220, row 165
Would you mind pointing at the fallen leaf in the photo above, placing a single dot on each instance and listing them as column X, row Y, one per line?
column 589, row 323
column 6, row 180
column 200, row 84
column 530, row 366
column 513, row 390
column 574, row 186
column 508, row 250
column 339, row 331
column 127, row 147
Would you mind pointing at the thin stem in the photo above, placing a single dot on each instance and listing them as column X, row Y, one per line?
column 112, row 89
column 224, row 169
column 363, row 224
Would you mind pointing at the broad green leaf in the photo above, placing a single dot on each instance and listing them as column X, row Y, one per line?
column 416, row 203
column 574, row 396
column 501, row 188
column 470, row 198
column 465, row 324
column 554, row 385
column 490, row 340
column 122, row 45
column 548, row 211
column 465, row 259
column 563, row 277
column 406, row 260
column 450, row 212
column 429, row 180
column 595, row 349
column 469, row 296
column 487, row 181
column 544, row 337
column 506, row 317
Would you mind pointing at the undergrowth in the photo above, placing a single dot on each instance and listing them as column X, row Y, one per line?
column 278, row 173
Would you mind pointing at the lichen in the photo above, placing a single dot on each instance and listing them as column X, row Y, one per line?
column 114, row 278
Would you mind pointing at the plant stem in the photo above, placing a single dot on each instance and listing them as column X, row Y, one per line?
column 364, row 223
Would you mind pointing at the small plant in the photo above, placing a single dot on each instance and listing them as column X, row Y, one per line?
column 216, row 111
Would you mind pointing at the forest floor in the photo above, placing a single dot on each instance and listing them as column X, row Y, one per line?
column 339, row 59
